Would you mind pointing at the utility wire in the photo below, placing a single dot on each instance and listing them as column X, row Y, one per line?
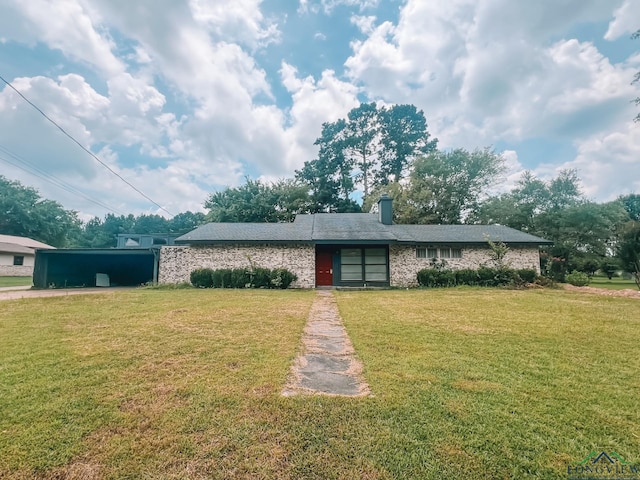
column 83, row 148
column 37, row 172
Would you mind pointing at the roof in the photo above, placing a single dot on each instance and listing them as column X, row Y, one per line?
column 13, row 248
column 353, row 228
column 23, row 241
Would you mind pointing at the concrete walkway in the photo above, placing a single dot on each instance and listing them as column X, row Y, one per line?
column 327, row 364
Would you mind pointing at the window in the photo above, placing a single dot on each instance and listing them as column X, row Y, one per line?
column 159, row 241
column 442, row 252
column 18, row 260
column 351, row 264
column 363, row 265
column 375, row 265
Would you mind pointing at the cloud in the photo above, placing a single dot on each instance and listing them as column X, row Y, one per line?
column 608, row 163
column 625, row 20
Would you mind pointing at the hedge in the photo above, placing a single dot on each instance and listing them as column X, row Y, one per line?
column 483, row 277
column 242, row 278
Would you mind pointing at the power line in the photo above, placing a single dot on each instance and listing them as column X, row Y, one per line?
column 37, row 172
column 83, row 148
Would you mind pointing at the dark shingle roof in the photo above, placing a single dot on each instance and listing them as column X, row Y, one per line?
column 353, row 228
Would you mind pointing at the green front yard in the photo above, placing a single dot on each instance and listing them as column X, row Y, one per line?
column 15, row 281
column 467, row 383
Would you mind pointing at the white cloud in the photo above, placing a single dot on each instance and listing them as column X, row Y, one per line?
column 496, row 70
column 608, row 163
column 625, row 20
column 64, row 25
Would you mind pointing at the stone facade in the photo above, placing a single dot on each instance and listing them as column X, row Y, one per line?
column 404, row 265
column 8, row 269
column 177, row 262
column 16, row 271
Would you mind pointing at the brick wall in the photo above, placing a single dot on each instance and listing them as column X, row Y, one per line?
column 177, row 262
column 404, row 266
column 16, row 270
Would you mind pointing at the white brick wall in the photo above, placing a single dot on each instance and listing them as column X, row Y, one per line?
column 16, row 270
column 404, row 266
column 177, row 262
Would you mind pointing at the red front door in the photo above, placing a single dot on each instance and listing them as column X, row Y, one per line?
column 324, row 269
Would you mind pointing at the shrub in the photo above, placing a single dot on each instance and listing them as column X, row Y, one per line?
column 578, row 279
column 261, row 278
column 243, row 278
column 282, row 278
column 467, row 276
column 431, row 277
column 487, row 277
column 527, row 275
column 546, row 282
column 240, row 278
column 427, row 277
column 202, row 278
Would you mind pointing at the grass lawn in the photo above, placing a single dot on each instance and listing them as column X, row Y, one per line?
column 15, row 281
column 613, row 284
column 468, row 383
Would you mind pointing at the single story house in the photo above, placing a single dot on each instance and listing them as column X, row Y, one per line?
column 17, row 255
column 344, row 249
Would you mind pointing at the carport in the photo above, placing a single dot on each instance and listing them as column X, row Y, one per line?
column 62, row 268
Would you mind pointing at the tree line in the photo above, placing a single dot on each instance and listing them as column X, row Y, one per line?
column 375, row 150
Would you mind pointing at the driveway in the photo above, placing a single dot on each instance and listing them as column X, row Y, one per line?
column 13, row 293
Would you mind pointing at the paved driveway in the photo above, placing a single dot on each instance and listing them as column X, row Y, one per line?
column 13, row 293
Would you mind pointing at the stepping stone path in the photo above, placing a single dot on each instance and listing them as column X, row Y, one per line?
column 327, row 364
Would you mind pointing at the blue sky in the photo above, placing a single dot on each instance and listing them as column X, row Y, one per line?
column 185, row 97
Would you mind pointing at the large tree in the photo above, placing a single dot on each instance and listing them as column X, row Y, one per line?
column 24, row 213
column 522, row 207
column 373, row 146
column 442, row 187
column 628, row 250
column 636, row 78
column 258, row 202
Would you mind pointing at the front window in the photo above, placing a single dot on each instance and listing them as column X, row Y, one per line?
column 363, row 265
column 18, row 260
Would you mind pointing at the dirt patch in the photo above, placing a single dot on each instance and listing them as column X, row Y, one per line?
column 628, row 293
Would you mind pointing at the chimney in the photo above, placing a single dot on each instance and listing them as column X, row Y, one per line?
column 385, row 209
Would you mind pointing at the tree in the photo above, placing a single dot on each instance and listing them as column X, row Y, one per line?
column 258, row 202
column 329, row 178
column 185, row 222
column 372, row 147
column 404, row 136
column 531, row 199
column 24, row 213
column 456, row 181
column 636, row 78
column 629, row 250
column 609, row 266
column 631, row 204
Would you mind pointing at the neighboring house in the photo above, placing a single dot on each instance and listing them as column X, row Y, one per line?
column 17, row 255
column 344, row 249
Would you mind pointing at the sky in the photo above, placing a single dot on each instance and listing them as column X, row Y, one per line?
column 182, row 98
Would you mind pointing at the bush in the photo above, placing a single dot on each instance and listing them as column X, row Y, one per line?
column 282, row 278
column 261, row 278
column 202, row 278
column 527, row 275
column 467, row 276
column 431, row 277
column 242, row 278
column 578, row 279
column 221, row 278
column 487, row 277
